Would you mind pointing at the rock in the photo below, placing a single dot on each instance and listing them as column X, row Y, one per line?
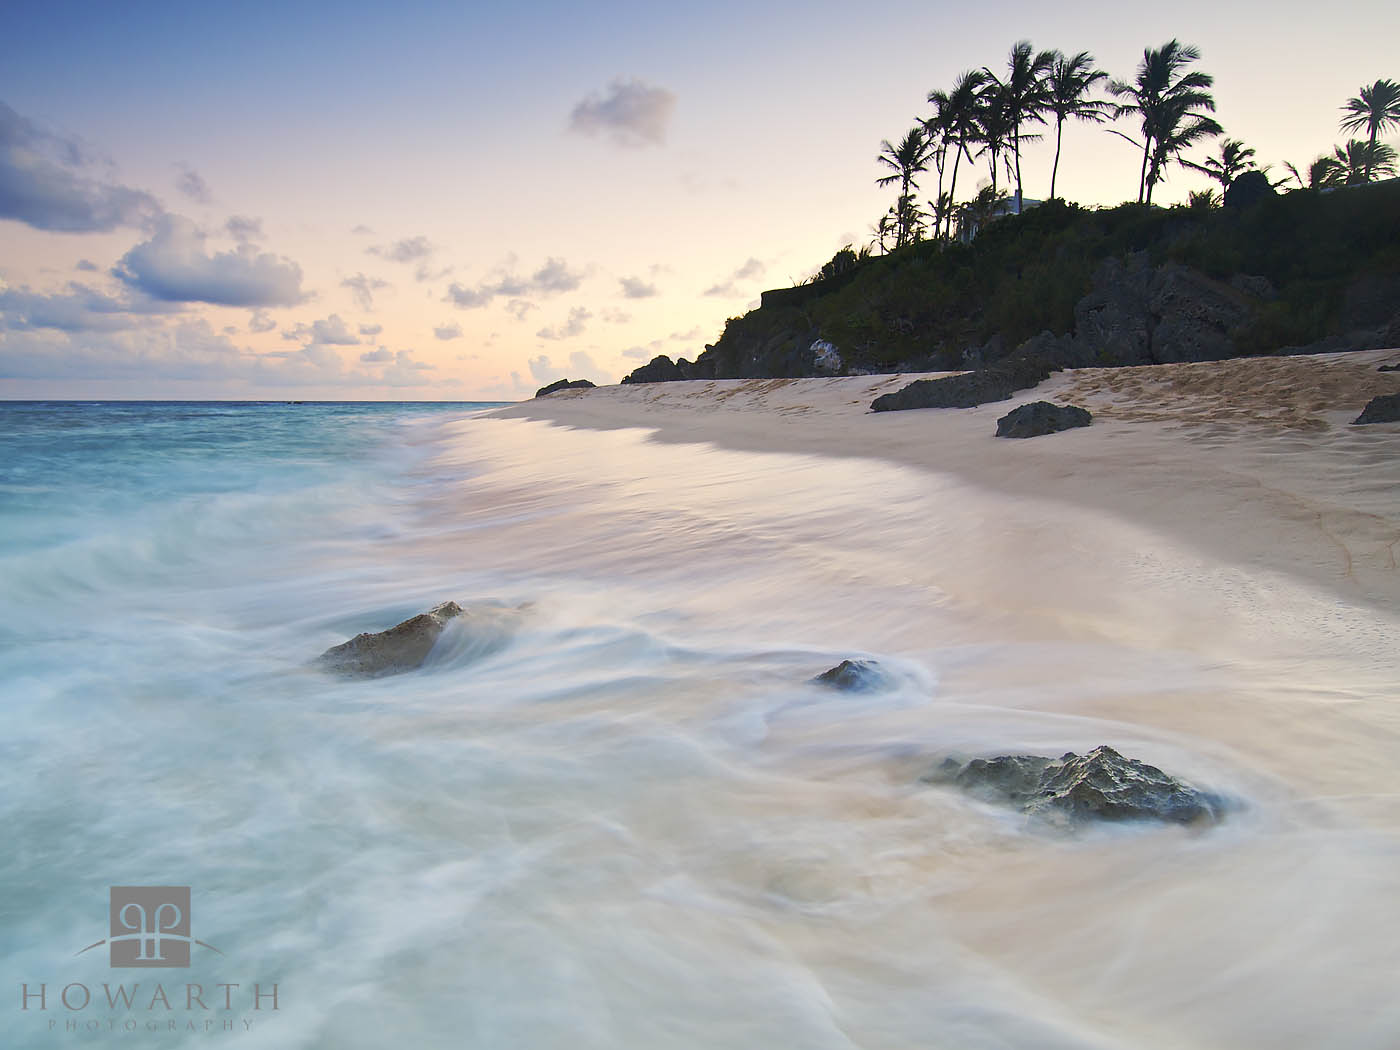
column 660, row 369
column 825, row 357
column 1111, row 324
column 1248, row 189
column 1041, row 417
column 1389, row 368
column 855, row 676
column 1259, row 287
column 997, row 382
column 1382, row 409
column 1077, row 789
column 564, row 384
column 403, row 647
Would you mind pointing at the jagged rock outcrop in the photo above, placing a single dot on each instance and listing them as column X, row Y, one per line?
column 564, row 384
column 660, row 369
column 1191, row 317
column 1041, row 417
column 1382, row 409
column 997, row 382
column 402, row 647
column 1077, row 789
column 825, row 357
column 855, row 676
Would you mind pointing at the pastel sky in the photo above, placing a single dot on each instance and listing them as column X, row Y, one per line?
column 417, row 201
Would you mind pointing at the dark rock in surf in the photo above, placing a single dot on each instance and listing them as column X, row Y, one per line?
column 854, row 676
column 1077, row 789
column 1388, row 368
column 1383, row 409
column 564, row 384
column 402, row 647
column 1041, row 417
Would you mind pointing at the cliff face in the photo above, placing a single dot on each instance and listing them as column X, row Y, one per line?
column 1128, row 286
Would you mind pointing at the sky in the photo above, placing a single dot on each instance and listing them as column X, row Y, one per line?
column 455, row 201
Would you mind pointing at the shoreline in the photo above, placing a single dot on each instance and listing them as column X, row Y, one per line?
column 1251, row 460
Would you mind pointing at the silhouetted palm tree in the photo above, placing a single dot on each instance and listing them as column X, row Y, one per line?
column 979, row 211
column 1067, row 87
column 1323, row 172
column 1360, row 162
column 1023, row 95
column 907, row 159
column 958, row 110
column 1234, row 159
column 1178, row 128
column 993, row 125
column 1170, row 101
column 1375, row 109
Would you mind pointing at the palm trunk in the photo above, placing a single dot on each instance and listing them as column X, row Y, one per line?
column 1055, row 169
column 1142, row 176
column 1016, row 147
column 953, row 189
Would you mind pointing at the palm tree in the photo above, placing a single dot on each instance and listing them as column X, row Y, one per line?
column 993, row 125
column 979, row 211
column 907, row 159
column 1374, row 110
column 1165, row 96
column 1235, row 158
column 1322, row 173
column 1067, row 87
column 1360, row 162
column 1023, row 95
column 1177, row 128
column 1202, row 200
column 958, row 109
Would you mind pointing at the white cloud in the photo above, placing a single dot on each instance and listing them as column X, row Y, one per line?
column 191, row 183
column 410, row 249
column 173, row 266
column 573, row 327
column 448, row 331
column 362, row 288
column 553, row 277
column 636, row 288
column 629, row 112
column 331, row 331
column 581, row 366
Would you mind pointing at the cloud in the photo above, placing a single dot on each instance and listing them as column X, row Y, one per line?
column 636, row 288
column 637, row 353
column 332, row 331
column 410, row 249
column 77, row 309
column 85, row 264
column 43, row 184
column 382, row 354
column 260, row 322
column 362, row 288
column 685, row 337
column 371, row 329
column 575, row 325
column 362, row 230
column 191, row 183
column 242, row 228
column 581, row 366
column 518, row 308
column 616, row 316
column 728, row 289
column 173, row 266
column 448, row 331
column 553, row 277
column 629, row 112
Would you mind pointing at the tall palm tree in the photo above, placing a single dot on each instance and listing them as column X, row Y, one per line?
column 1068, row 84
column 1322, row 173
column 1235, row 159
column 993, row 125
column 937, row 132
column 907, row 159
column 1023, row 95
column 1164, row 95
column 1359, row 162
column 1177, row 128
column 959, row 109
column 1375, row 109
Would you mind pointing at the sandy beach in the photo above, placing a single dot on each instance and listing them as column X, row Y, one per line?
column 1251, row 460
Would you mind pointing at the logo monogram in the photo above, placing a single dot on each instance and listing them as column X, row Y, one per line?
column 150, row 927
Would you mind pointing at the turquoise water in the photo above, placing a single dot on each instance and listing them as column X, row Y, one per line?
column 626, row 817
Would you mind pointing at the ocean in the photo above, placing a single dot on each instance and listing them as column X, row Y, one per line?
column 630, row 819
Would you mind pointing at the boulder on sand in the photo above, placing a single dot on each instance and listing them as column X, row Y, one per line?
column 564, row 384
column 1076, row 789
column 1041, row 417
column 1383, row 409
